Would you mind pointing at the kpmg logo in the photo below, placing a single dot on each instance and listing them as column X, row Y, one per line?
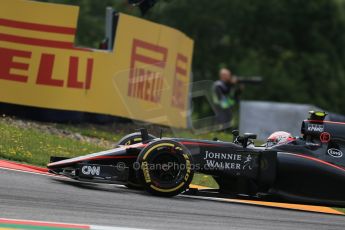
column 91, row 170
column 335, row 153
column 315, row 128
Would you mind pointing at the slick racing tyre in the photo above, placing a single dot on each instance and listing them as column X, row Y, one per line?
column 131, row 139
column 165, row 168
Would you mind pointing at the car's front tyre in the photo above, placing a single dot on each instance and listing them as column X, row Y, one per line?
column 165, row 168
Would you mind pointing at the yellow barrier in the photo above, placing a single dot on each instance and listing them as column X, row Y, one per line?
column 145, row 78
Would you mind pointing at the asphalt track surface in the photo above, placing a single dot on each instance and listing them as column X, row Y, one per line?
column 39, row 197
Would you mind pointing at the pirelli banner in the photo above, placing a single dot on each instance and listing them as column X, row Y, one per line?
column 146, row 77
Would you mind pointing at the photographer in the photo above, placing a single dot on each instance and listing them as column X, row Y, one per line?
column 225, row 94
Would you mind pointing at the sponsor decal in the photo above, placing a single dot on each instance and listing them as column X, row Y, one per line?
column 315, row 128
column 335, row 153
column 91, row 170
column 146, row 172
column 180, row 91
column 223, row 156
column 223, row 165
column 188, row 166
column 228, row 161
column 248, row 163
column 325, row 137
column 146, row 78
column 146, row 74
column 47, row 65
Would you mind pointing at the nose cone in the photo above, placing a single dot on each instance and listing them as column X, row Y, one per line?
column 117, row 153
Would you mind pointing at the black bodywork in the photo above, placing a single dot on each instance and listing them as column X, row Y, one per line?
column 310, row 169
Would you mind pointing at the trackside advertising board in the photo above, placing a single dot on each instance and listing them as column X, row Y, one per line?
column 146, row 77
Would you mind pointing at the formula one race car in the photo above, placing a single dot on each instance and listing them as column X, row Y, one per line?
column 308, row 169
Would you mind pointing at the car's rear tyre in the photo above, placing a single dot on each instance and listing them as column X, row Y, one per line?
column 165, row 168
column 131, row 139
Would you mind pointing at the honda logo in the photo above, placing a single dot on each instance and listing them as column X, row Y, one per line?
column 335, row 153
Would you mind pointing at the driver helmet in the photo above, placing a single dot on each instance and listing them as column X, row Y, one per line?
column 278, row 138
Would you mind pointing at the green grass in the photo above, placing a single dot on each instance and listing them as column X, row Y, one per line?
column 35, row 147
column 95, row 131
column 204, row 180
column 340, row 209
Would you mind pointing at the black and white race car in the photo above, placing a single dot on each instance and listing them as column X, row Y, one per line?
column 309, row 169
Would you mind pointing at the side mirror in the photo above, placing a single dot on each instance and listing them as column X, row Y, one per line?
column 235, row 133
column 245, row 139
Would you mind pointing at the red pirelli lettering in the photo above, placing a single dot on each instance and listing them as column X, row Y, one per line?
column 7, row 64
column 44, row 76
column 73, row 74
column 145, row 77
column 45, row 73
column 180, row 89
column 89, row 70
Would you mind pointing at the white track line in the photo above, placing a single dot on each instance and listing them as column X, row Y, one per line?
column 93, row 227
column 97, row 227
